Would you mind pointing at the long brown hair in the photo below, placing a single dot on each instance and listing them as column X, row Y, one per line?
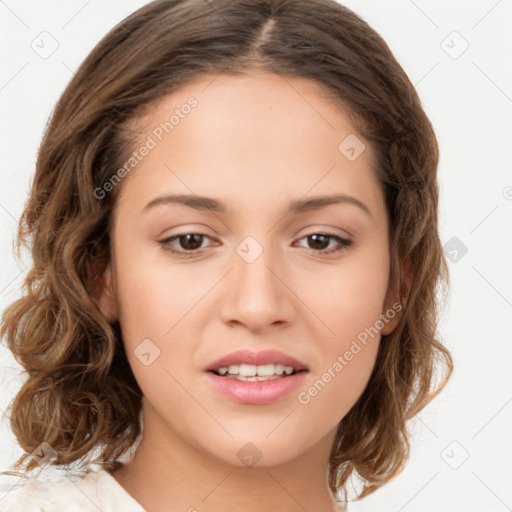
column 80, row 393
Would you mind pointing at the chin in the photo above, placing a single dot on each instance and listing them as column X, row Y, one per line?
column 256, row 448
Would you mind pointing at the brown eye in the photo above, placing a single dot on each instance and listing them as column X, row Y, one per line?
column 185, row 244
column 320, row 242
column 191, row 241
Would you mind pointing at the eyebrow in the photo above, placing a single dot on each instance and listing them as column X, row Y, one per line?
column 297, row 206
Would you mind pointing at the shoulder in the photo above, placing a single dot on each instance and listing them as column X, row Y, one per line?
column 50, row 489
column 58, row 490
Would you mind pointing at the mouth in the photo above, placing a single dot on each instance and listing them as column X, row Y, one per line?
column 256, row 378
column 260, row 373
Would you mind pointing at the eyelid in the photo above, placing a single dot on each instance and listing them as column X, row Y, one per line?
column 165, row 243
column 326, row 229
column 343, row 243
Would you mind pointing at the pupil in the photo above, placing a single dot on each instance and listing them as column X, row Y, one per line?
column 319, row 245
column 191, row 241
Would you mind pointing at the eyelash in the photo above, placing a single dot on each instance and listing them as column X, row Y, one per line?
column 166, row 244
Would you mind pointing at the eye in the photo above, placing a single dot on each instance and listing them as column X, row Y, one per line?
column 320, row 242
column 189, row 242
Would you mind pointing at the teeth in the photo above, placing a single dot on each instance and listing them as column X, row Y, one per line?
column 279, row 369
column 265, row 370
column 253, row 379
column 252, row 372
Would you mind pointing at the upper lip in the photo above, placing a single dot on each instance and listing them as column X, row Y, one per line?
column 256, row 358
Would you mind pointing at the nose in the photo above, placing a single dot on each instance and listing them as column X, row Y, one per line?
column 256, row 295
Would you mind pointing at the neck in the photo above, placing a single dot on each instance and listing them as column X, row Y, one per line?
column 167, row 472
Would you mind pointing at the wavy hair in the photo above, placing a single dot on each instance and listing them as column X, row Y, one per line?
column 80, row 392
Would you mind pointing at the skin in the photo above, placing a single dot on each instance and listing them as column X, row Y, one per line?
column 254, row 142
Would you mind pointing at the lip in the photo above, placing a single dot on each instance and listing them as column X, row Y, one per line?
column 256, row 393
column 256, row 358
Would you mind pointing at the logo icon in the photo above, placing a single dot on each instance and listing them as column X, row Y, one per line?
column 45, row 45
column 455, row 249
column 146, row 352
column 454, row 45
column 249, row 455
column 249, row 249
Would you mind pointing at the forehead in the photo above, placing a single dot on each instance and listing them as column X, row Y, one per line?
column 250, row 100
column 258, row 135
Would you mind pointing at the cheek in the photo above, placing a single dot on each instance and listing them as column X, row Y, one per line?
column 154, row 295
column 155, row 304
column 348, row 353
column 348, row 298
column 160, row 308
column 349, row 302
column 332, row 393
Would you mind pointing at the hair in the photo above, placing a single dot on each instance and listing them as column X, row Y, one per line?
column 80, row 392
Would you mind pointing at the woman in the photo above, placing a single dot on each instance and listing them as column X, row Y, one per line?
column 234, row 231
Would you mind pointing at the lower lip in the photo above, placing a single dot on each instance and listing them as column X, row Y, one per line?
column 256, row 392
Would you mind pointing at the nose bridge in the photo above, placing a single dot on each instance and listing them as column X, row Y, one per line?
column 256, row 296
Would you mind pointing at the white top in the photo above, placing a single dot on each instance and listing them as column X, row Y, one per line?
column 57, row 490
column 95, row 489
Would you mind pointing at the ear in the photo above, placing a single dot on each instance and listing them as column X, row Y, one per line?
column 395, row 301
column 105, row 295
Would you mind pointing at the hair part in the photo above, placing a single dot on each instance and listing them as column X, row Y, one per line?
column 80, row 392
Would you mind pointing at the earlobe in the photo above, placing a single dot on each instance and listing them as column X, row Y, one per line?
column 391, row 317
column 106, row 296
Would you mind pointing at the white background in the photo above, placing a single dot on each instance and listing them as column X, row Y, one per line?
column 469, row 100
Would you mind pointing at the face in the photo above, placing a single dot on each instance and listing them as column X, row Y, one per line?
column 220, row 298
